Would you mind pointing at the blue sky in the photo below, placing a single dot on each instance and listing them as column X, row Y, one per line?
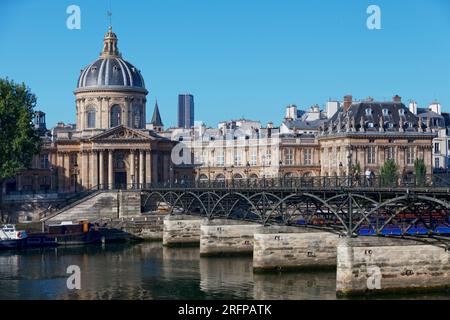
column 239, row 58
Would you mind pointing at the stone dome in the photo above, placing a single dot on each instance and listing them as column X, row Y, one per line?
column 110, row 71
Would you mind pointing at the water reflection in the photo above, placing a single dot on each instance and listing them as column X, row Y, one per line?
column 149, row 271
column 230, row 275
column 295, row 286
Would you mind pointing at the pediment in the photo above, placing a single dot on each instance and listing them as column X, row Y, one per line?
column 122, row 133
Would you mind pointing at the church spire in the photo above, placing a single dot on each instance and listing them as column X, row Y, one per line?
column 156, row 119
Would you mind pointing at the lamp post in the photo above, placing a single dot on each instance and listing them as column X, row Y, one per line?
column 247, row 171
column 209, row 174
column 75, row 173
column 225, row 176
column 171, row 174
column 280, row 174
column 232, row 178
column 52, row 178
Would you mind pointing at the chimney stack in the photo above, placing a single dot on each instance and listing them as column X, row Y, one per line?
column 348, row 100
column 397, row 98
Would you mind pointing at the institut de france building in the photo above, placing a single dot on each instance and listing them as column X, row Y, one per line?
column 110, row 145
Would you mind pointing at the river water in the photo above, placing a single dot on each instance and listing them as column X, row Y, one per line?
column 151, row 271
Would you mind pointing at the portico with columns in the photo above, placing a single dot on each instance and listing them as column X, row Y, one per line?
column 118, row 158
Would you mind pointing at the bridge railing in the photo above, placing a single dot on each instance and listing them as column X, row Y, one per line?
column 327, row 182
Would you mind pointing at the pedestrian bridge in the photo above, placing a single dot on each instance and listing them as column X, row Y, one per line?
column 410, row 206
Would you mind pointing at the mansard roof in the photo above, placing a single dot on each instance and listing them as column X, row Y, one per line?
column 374, row 116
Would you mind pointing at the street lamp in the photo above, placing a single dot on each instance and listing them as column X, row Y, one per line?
column 247, row 171
column 52, row 178
column 225, row 176
column 232, row 177
column 280, row 173
column 209, row 174
column 171, row 174
column 75, row 173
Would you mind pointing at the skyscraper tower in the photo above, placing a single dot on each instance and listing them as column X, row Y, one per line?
column 185, row 110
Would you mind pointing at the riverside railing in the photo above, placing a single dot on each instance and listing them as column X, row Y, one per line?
column 434, row 181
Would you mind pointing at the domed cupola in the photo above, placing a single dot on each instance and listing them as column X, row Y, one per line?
column 110, row 71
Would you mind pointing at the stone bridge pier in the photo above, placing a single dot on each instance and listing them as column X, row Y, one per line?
column 293, row 248
column 181, row 230
column 386, row 265
column 228, row 237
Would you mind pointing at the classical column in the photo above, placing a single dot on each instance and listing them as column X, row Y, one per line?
column 107, row 120
column 84, row 170
column 93, row 165
column 166, row 163
column 77, row 103
column 154, row 166
column 141, row 168
column 148, row 167
column 126, row 118
column 110, row 169
column 67, row 170
column 132, row 170
column 101, row 177
column 99, row 114
column 60, row 169
column 82, row 114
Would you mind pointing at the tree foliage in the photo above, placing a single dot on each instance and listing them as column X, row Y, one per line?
column 420, row 170
column 19, row 141
column 389, row 173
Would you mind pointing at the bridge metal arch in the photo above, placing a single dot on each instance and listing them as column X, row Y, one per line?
column 160, row 195
column 214, row 195
column 308, row 195
column 229, row 194
column 394, row 201
column 257, row 195
column 186, row 193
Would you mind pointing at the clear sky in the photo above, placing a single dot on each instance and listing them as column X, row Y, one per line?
column 239, row 58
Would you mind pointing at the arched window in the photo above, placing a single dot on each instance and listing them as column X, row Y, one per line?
column 137, row 117
column 91, row 112
column 116, row 116
column 220, row 177
column 203, row 177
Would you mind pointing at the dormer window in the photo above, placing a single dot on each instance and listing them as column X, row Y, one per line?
column 116, row 68
column 93, row 69
column 401, row 112
column 385, row 112
column 368, row 112
column 370, row 124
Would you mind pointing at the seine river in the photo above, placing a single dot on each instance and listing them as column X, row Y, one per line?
column 150, row 271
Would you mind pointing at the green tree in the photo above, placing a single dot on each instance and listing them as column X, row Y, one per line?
column 420, row 171
column 389, row 173
column 19, row 141
column 357, row 168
